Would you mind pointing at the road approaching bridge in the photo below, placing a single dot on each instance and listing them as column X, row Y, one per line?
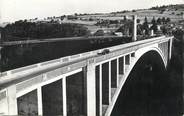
column 86, row 84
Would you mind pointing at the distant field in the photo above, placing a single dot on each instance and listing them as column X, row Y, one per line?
column 80, row 22
column 173, row 15
column 141, row 14
column 93, row 28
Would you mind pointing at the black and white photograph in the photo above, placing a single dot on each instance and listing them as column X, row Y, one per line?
column 91, row 57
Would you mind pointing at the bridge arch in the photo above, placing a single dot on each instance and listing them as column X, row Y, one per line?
column 140, row 52
column 157, row 59
column 153, row 49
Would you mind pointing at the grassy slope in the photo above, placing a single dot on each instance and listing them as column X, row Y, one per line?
column 145, row 12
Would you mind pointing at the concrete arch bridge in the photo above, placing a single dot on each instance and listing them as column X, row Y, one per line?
column 86, row 84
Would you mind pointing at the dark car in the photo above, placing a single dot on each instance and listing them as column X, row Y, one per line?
column 105, row 51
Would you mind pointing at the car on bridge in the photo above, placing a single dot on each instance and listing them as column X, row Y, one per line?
column 105, row 51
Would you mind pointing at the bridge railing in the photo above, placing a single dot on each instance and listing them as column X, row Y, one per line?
column 17, row 74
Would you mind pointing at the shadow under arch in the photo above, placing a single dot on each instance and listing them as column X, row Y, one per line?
column 146, row 88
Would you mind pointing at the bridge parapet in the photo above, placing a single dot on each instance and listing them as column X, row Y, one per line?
column 34, row 77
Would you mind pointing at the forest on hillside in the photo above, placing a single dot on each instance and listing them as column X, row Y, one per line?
column 171, row 7
column 23, row 30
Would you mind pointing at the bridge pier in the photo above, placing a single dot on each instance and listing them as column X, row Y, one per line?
column 166, row 48
column 39, row 97
column 91, row 87
column 170, row 48
column 134, row 38
column 64, row 97
column 117, row 67
column 12, row 100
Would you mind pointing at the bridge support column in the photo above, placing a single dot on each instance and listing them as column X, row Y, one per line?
column 64, row 97
column 100, row 89
column 39, row 95
column 117, row 67
column 91, row 88
column 109, row 82
column 12, row 100
column 170, row 48
column 135, row 28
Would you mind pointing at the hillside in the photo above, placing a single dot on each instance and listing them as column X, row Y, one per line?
column 169, row 7
column 174, row 12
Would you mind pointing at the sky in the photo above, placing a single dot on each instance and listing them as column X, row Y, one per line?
column 12, row 10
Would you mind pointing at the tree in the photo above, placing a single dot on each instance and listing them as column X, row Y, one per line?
column 164, row 30
column 145, row 26
column 173, row 13
column 139, row 29
column 168, row 20
column 1, row 35
column 153, row 21
column 126, row 29
column 159, row 21
column 154, row 25
column 138, row 20
column 163, row 20
column 162, row 11
column 125, row 18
